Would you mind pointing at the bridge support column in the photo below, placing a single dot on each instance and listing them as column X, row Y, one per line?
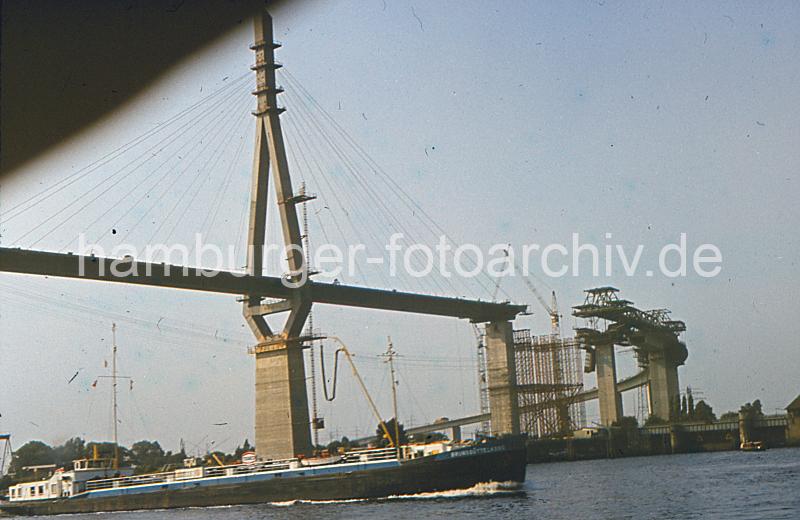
column 455, row 434
column 502, row 373
column 282, row 422
column 664, row 390
column 608, row 396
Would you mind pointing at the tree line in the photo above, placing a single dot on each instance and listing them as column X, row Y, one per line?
column 143, row 456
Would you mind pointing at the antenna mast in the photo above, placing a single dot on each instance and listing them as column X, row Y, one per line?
column 316, row 423
column 114, row 386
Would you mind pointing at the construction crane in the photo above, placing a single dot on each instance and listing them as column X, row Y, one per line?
column 551, row 308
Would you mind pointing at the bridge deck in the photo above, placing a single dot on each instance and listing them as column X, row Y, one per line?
column 225, row 282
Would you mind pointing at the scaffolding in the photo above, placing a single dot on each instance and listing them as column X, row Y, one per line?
column 549, row 377
column 483, row 381
column 642, row 404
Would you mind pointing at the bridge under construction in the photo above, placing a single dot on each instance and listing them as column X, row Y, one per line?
column 549, row 373
column 282, row 422
column 532, row 384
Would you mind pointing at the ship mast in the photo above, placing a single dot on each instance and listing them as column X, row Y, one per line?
column 390, row 355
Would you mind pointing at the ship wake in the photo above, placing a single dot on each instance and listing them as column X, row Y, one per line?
column 486, row 489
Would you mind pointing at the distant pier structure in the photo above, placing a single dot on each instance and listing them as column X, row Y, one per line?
column 612, row 322
column 544, row 374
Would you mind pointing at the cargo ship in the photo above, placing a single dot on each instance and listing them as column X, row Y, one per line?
column 94, row 485
column 98, row 484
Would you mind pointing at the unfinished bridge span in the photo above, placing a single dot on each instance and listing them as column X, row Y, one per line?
column 282, row 422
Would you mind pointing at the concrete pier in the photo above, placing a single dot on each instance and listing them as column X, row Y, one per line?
column 282, row 421
column 609, row 397
column 502, row 375
column 664, row 390
column 745, row 427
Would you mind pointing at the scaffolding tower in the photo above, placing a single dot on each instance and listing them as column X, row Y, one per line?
column 549, row 377
column 483, row 381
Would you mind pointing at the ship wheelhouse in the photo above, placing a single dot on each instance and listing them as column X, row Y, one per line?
column 63, row 483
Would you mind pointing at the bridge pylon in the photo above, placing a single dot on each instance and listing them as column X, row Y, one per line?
column 281, row 404
column 502, row 375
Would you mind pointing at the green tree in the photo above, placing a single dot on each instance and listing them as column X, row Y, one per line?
column 428, row 437
column 390, row 425
column 240, row 450
column 173, row 460
column 334, row 446
column 752, row 410
column 627, row 423
column 654, row 420
column 72, row 449
column 675, row 413
column 703, row 412
column 106, row 450
column 33, row 453
column 215, row 457
column 147, row 456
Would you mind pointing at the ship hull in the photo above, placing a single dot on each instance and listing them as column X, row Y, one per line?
column 459, row 469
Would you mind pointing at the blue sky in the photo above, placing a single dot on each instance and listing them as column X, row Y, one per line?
column 508, row 122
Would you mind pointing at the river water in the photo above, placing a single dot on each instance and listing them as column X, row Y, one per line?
column 729, row 485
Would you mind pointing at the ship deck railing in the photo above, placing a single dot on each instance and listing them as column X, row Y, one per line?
column 370, row 454
column 363, row 455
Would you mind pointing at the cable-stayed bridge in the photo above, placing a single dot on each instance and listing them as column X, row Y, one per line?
column 124, row 197
column 184, row 177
